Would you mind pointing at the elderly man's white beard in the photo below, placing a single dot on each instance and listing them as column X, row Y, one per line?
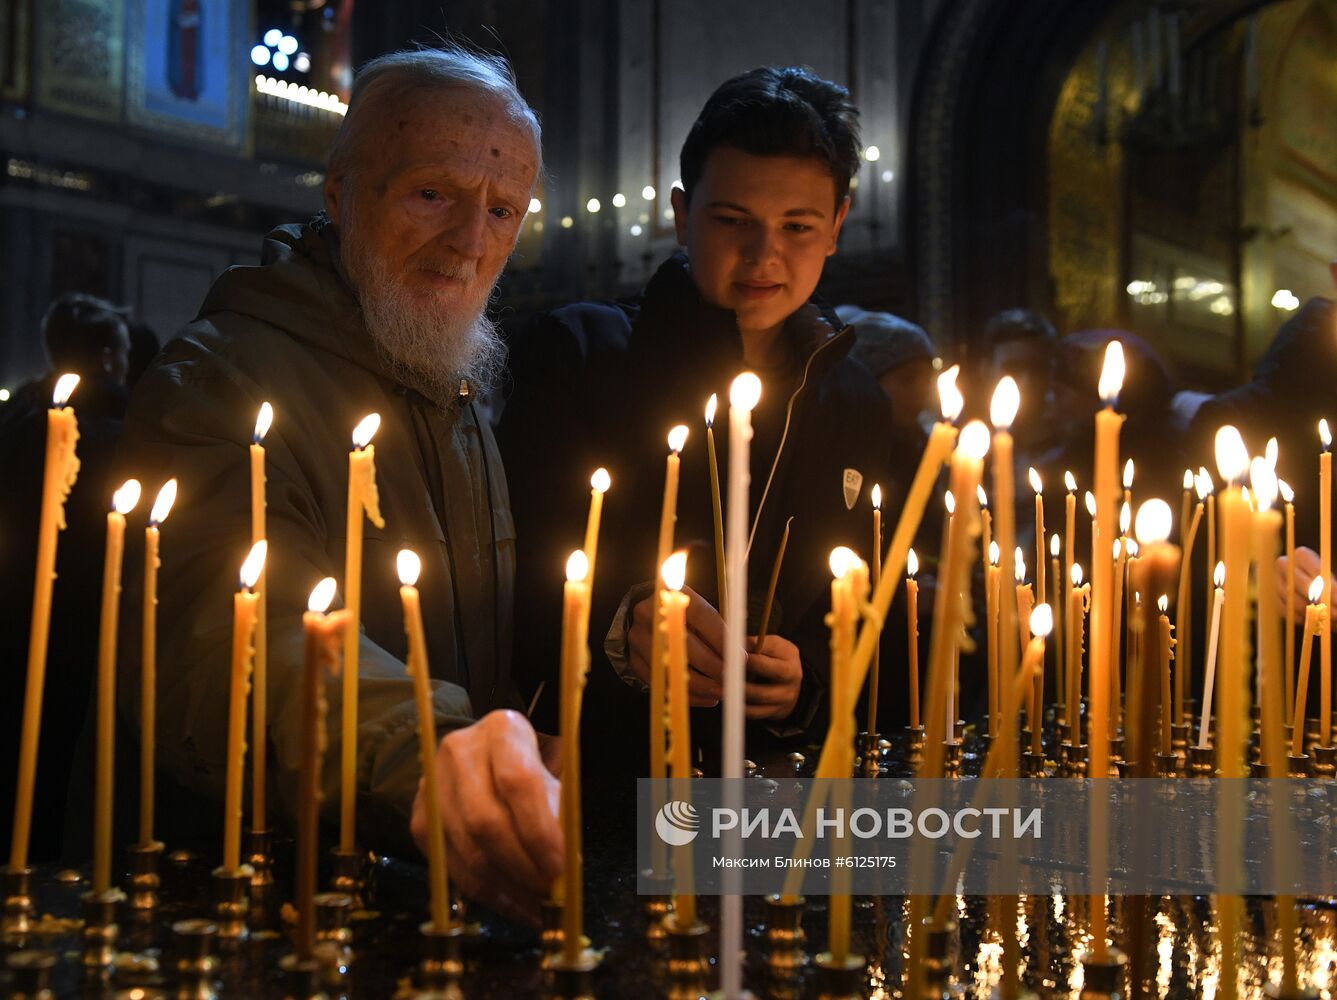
column 431, row 351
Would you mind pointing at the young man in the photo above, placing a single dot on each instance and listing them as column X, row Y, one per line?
column 766, row 171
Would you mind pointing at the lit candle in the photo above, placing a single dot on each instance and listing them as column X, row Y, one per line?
column 1090, row 499
column 1117, row 627
column 1025, row 603
column 1069, row 542
column 716, row 511
column 323, row 634
column 1038, row 486
column 1316, row 622
column 774, row 581
column 912, row 631
column 1002, row 411
column 1266, row 546
column 363, row 498
column 1158, row 563
column 1288, row 661
column 1184, row 626
column 847, row 587
column 600, row 482
column 1185, row 508
column 1213, row 551
column 874, row 676
column 409, row 567
column 1166, row 652
column 986, row 525
column 1128, row 483
column 949, row 501
column 668, row 516
column 1213, row 640
column 123, row 502
column 991, row 624
column 1077, row 617
column 673, row 574
column 575, row 666
column 1058, row 581
column 60, row 471
column 744, row 394
column 148, row 681
column 1325, row 570
column 259, row 686
column 243, row 635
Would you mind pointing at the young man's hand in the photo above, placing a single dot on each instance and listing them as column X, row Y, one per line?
column 774, row 677
column 499, row 808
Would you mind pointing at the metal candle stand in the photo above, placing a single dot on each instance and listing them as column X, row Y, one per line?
column 16, row 922
column 30, row 975
column 658, row 907
column 571, row 979
column 839, row 980
column 951, row 758
column 1298, row 765
column 687, row 966
column 1325, row 761
column 442, row 966
column 233, row 904
column 1201, row 761
column 1103, row 977
column 334, row 937
column 301, row 979
column 938, row 963
column 144, row 882
column 784, row 933
column 914, row 746
column 196, row 966
column 100, row 933
column 348, row 876
column 260, row 856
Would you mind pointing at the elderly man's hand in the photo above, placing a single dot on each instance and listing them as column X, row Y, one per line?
column 1307, row 566
column 705, row 642
column 499, row 808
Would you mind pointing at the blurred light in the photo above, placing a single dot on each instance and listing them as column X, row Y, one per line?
column 668, row 215
column 538, row 226
column 287, row 45
column 648, row 192
column 302, row 63
column 872, row 154
column 535, row 206
column 260, row 55
column 280, row 61
column 678, row 184
column 300, row 95
column 636, row 230
column 272, row 37
column 1285, row 299
column 592, row 205
column 619, row 200
column 4, row 395
column 888, row 176
column 567, row 222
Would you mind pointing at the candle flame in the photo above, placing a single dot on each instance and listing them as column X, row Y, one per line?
column 366, row 430
column 263, row 421
column 321, row 596
column 1036, row 484
column 1054, row 545
column 1264, row 479
column 577, row 566
column 1219, row 575
column 1076, row 575
column 1315, row 589
column 974, row 440
column 1128, row 474
column 993, row 553
column 1163, row 603
column 678, row 437
column 1287, row 494
column 842, row 560
column 1202, row 484
column 1153, row 522
column 1070, row 481
column 1090, row 503
column 1271, row 452
column 949, row 501
column 911, row 563
column 1019, row 565
column 601, row 480
column 877, row 496
column 1111, row 373
column 123, row 501
column 1125, row 518
column 1232, row 458
column 1188, row 480
column 1042, row 621
column 1133, row 548
column 711, row 404
column 409, row 567
column 983, row 497
column 1248, row 499
column 1118, row 547
column 1324, row 435
column 254, row 564
column 674, row 571
column 950, row 400
column 162, row 506
column 1005, row 403
column 745, row 392
column 65, row 386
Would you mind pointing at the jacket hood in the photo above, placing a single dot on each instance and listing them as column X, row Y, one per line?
column 299, row 288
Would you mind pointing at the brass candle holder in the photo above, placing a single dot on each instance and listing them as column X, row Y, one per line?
column 334, row 936
column 1201, row 761
column 1179, row 737
column 144, row 882
column 348, row 875
column 196, row 966
column 914, row 746
column 232, row 902
column 1074, row 763
column 571, row 979
column 550, row 934
column 1103, row 977
column 1126, row 768
column 687, row 966
column 841, row 980
column 938, row 964
column 441, row 967
column 951, row 758
column 30, row 975
column 1298, row 765
column 1117, row 746
column 1325, row 761
column 1033, row 764
column 301, row 979
column 785, row 957
column 259, row 850
column 1167, row 764
column 100, row 933
column 658, row 906
column 16, row 920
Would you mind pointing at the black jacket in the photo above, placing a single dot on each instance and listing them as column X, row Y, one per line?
column 601, row 384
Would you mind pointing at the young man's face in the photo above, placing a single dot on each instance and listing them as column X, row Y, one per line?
column 758, row 232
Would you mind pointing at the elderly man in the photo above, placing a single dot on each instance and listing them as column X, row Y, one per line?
column 375, row 305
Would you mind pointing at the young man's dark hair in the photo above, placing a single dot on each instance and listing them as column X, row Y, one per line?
column 777, row 111
column 81, row 332
column 1018, row 324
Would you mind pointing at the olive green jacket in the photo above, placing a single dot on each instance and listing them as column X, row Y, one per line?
column 290, row 331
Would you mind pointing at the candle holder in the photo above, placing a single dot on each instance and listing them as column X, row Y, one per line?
column 459, row 914
column 1126, row 768
column 550, row 936
column 1201, row 761
column 658, row 905
column 1298, row 765
column 144, row 882
column 196, row 965
column 301, row 979
column 441, row 967
column 914, row 746
column 571, row 979
column 1074, row 764
column 839, row 980
column 959, row 730
column 16, row 922
column 1325, row 761
column 951, row 758
column 1167, row 764
column 1311, row 732
column 1103, row 977
column 784, row 933
column 348, row 876
column 334, row 937
column 259, row 855
column 1116, row 747
column 30, row 975
column 796, row 761
column 1179, row 737
column 1061, row 758
column 1032, row 765
column 687, row 965
column 233, row 905
column 100, row 933
column 938, row 965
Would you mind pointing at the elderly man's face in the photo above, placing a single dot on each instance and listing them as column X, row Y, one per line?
column 428, row 217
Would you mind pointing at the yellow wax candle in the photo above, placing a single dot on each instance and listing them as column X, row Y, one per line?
column 1325, row 564
column 1038, row 486
column 1128, row 482
column 844, row 566
column 1266, row 543
column 1076, row 637
column 600, row 482
column 1183, row 607
column 716, row 509
column 148, row 681
column 1025, row 598
column 1316, row 619
column 259, row 686
column 1166, row 654
column 363, row 500
column 1069, row 541
column 1002, row 411
column 60, row 472
column 323, row 635
column 1213, row 550
column 410, row 566
column 122, row 503
column 1058, row 583
column 875, row 676
column 575, row 666
column 774, row 581
column 986, row 525
column 991, row 624
column 1185, row 507
column 668, row 514
column 1288, row 634
column 1213, row 645
column 912, row 631
column 674, row 574
column 1117, row 631
column 243, row 633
